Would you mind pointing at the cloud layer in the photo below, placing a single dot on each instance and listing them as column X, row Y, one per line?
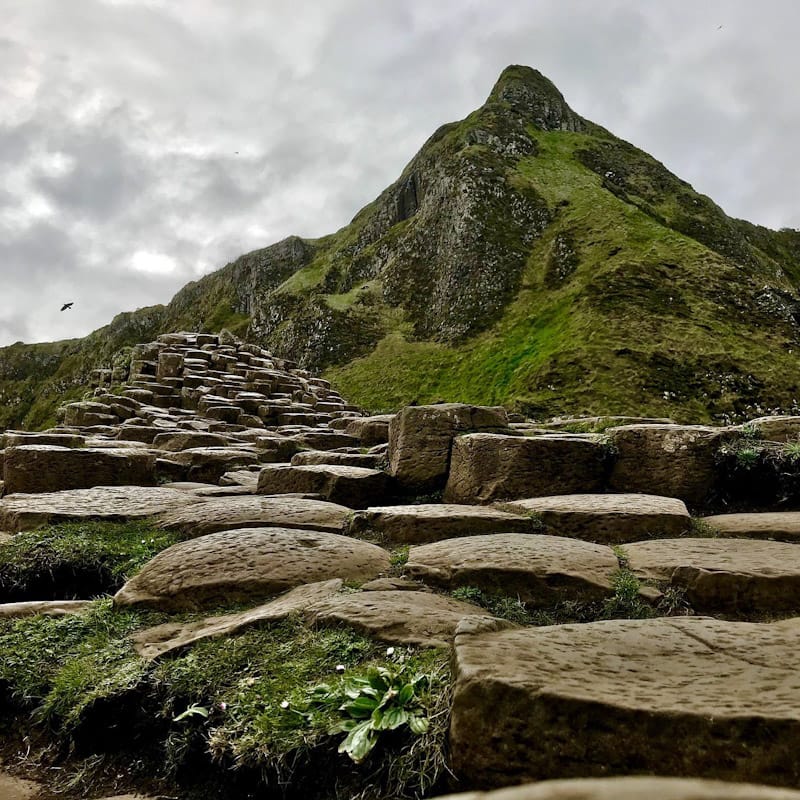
column 146, row 142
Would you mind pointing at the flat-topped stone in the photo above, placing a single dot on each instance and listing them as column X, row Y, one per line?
column 254, row 511
column 152, row 643
column 778, row 428
column 356, row 487
column 186, row 440
column 47, row 608
column 636, row 787
column 247, row 564
column 22, row 512
column 432, row 522
column 403, row 617
column 485, row 468
column 17, row 438
column 331, row 457
column 539, row 569
column 49, row 468
column 677, row 696
column 607, row 518
column 738, row 576
column 783, row 526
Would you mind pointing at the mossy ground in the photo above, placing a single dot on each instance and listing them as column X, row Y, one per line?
column 77, row 559
column 81, row 680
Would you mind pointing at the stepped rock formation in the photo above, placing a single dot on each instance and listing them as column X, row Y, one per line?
column 524, row 256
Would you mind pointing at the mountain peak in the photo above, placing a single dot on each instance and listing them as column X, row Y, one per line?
column 529, row 93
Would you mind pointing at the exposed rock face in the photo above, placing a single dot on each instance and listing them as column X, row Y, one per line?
column 783, row 526
column 486, row 468
column 560, row 701
column 421, row 438
column 607, row 518
column 355, row 487
column 247, row 564
column 673, row 460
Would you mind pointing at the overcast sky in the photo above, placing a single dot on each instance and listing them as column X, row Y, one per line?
column 144, row 143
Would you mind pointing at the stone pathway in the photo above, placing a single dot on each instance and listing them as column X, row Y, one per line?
column 297, row 504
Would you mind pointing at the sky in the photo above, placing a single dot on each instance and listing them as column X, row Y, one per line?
column 144, row 143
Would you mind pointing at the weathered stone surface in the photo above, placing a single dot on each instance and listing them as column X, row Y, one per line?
column 343, row 459
column 738, row 576
column 158, row 641
column 13, row 788
column 633, row 788
column 18, row 438
column 432, row 522
column 189, row 439
column 539, row 569
column 420, row 439
column 485, row 467
column 355, row 487
column 783, row 526
column 370, row 430
column 607, row 518
column 672, row 460
column 48, row 468
column 48, row 608
column 22, row 512
column 325, row 440
column 777, row 429
column 677, row 696
column 398, row 616
column 247, row 564
column 249, row 511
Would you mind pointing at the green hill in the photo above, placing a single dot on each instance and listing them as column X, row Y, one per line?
column 525, row 256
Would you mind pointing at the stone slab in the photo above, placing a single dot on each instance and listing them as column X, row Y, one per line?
column 677, row 696
column 607, row 518
column 248, row 564
column 541, row 570
column 783, row 526
column 733, row 576
column 432, row 522
column 47, row 608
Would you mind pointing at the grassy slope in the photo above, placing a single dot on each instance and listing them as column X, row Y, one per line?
column 639, row 287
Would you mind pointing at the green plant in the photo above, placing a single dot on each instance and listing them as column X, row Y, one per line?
column 791, row 451
column 386, row 699
column 702, row 530
column 512, row 609
column 747, row 457
column 751, row 432
column 626, row 602
column 398, row 559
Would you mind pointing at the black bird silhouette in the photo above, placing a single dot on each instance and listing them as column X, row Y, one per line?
column 67, row 305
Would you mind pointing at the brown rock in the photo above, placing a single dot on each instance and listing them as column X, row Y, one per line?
column 248, row 511
column 47, row 608
column 370, row 430
column 783, row 526
column 18, row 438
column 343, row 459
column 158, row 641
column 325, row 440
column 608, row 518
column 48, row 468
column 400, row 617
column 13, row 788
column 777, row 429
column 677, row 696
column 355, row 487
column 186, row 440
column 539, row 569
column 245, row 565
column 416, row 524
column 739, row 576
column 672, row 460
column 633, row 788
column 22, row 512
column 485, row 467
column 420, row 439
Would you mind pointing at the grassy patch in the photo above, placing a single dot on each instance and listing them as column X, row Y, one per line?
column 247, row 698
column 77, row 560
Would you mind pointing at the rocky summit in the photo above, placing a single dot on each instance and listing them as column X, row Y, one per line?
column 222, row 580
column 544, row 545
column 525, row 256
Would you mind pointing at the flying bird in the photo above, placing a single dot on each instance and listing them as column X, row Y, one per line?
column 67, row 305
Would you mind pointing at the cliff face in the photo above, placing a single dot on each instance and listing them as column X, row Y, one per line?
column 525, row 255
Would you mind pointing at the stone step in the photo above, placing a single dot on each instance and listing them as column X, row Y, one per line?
column 674, row 696
column 432, row 522
column 783, row 526
column 204, row 572
column 538, row 569
column 607, row 518
column 745, row 577
column 355, row 487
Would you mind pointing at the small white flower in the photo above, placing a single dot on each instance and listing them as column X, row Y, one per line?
column 390, row 651
column 340, row 667
column 222, row 706
column 285, row 704
column 144, row 541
